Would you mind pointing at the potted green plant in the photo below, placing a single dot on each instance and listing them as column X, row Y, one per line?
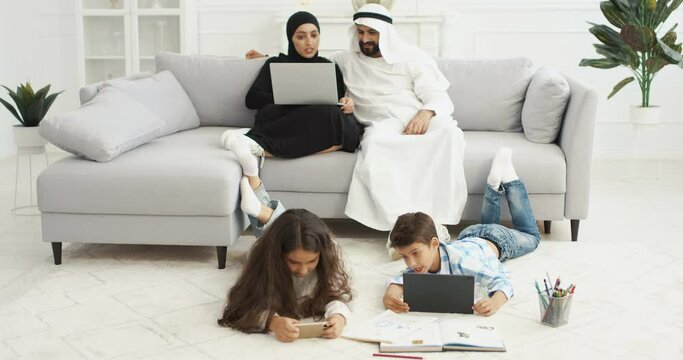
column 637, row 45
column 29, row 109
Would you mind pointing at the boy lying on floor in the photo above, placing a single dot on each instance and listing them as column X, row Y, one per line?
column 480, row 248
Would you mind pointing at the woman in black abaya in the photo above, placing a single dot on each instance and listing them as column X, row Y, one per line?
column 292, row 131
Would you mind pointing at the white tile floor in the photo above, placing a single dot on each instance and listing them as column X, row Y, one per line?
column 155, row 302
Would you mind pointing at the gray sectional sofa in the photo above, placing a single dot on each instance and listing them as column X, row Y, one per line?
column 182, row 189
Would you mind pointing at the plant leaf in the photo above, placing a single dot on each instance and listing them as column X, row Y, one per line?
column 654, row 64
column 33, row 113
column 671, row 53
column 661, row 6
column 612, row 14
column 669, row 38
column 599, row 63
column 19, row 102
column 624, row 9
column 9, row 90
column 42, row 92
column 11, row 110
column 620, row 85
column 48, row 102
column 671, row 8
column 606, row 35
column 639, row 38
column 612, row 52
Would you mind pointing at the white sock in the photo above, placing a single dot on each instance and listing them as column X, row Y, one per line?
column 240, row 148
column 498, row 165
column 250, row 203
column 509, row 173
column 229, row 135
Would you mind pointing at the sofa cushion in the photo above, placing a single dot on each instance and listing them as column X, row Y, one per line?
column 105, row 127
column 487, row 94
column 546, row 100
column 541, row 166
column 187, row 173
column 320, row 173
column 162, row 94
column 217, row 86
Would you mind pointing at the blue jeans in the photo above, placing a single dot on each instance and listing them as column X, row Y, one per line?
column 276, row 205
column 511, row 243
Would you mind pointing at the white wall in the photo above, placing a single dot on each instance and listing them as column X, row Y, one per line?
column 551, row 32
column 38, row 45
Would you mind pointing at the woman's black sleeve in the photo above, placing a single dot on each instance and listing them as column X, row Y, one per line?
column 260, row 93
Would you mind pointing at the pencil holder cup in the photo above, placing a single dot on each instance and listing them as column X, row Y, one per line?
column 555, row 311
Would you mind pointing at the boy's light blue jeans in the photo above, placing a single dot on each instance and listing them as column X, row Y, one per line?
column 512, row 243
column 276, row 205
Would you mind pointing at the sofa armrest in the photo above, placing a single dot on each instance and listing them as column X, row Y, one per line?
column 576, row 141
column 87, row 92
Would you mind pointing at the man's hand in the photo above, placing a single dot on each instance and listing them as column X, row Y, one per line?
column 335, row 326
column 283, row 328
column 393, row 299
column 253, row 54
column 419, row 123
column 348, row 106
column 488, row 307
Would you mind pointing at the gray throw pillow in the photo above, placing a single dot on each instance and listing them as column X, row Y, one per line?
column 103, row 128
column 217, row 86
column 546, row 100
column 487, row 94
column 163, row 95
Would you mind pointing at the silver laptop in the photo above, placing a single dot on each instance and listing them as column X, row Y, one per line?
column 304, row 84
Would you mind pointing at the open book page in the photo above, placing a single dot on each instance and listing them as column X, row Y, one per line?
column 387, row 327
column 460, row 335
column 426, row 339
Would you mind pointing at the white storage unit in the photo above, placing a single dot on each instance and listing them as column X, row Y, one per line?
column 121, row 37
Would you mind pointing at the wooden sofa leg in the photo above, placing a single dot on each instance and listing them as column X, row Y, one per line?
column 575, row 229
column 546, row 226
column 222, row 252
column 57, row 252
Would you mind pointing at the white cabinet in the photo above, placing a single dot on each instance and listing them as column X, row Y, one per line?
column 121, row 37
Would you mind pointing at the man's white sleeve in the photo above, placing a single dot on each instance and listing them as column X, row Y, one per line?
column 430, row 87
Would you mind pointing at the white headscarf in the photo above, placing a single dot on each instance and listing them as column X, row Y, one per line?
column 392, row 47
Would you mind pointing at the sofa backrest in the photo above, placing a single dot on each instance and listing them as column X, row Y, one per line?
column 217, row 86
column 488, row 94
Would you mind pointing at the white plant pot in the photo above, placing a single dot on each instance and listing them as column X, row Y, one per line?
column 645, row 115
column 28, row 140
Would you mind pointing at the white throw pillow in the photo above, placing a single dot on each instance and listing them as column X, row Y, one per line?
column 546, row 100
column 162, row 94
column 103, row 128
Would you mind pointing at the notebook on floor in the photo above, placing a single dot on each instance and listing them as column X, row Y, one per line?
column 444, row 335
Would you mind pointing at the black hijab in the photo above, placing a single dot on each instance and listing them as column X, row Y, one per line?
column 296, row 20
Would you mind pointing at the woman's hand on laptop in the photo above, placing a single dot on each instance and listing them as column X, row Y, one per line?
column 347, row 105
column 253, row 54
column 488, row 307
column 393, row 299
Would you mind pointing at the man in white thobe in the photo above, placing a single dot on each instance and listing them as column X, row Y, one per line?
column 411, row 156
